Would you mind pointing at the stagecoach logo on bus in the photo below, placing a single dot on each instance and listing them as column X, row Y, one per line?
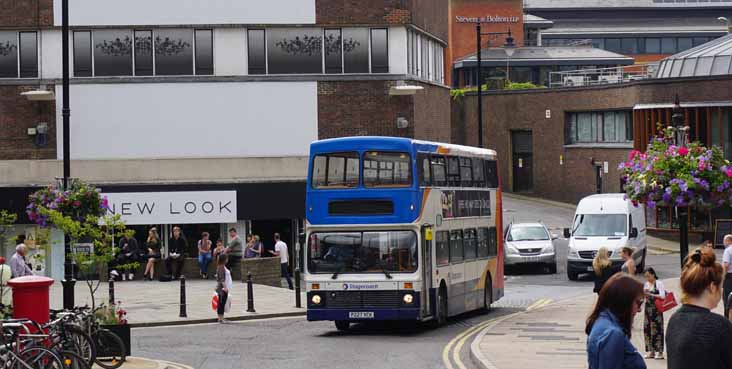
column 354, row 286
column 457, row 204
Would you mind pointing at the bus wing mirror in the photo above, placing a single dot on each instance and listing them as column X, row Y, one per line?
column 567, row 234
column 634, row 232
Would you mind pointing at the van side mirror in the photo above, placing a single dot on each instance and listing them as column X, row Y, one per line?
column 567, row 234
column 634, row 233
column 554, row 236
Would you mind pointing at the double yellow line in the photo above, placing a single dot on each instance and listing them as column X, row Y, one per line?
column 539, row 304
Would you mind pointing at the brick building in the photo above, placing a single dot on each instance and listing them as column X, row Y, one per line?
column 218, row 95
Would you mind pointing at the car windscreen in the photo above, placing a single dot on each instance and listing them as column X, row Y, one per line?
column 528, row 234
column 362, row 252
column 607, row 225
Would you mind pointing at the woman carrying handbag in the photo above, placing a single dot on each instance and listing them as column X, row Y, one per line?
column 653, row 320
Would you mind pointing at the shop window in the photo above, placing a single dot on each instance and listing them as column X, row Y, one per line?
column 456, row 246
column 442, row 248
column 112, row 53
column 333, row 51
column 143, row 53
column 379, row 50
column 204, row 52
column 28, row 54
column 82, row 54
column 8, row 54
column 599, row 127
column 356, row 50
column 173, row 52
column 256, row 59
column 439, row 171
column 294, row 51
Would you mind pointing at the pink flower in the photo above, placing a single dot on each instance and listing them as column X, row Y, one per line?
column 729, row 172
column 683, row 151
column 633, row 154
column 77, row 203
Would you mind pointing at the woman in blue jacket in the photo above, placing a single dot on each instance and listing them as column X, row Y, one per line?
column 610, row 324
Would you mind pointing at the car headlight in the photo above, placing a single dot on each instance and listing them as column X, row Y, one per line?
column 316, row 299
column 510, row 250
column 573, row 252
column 408, row 298
column 548, row 249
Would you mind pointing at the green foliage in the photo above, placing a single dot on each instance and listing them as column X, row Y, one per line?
column 111, row 315
column 6, row 221
column 522, row 86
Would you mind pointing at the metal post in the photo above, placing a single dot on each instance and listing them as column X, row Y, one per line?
column 183, row 313
column 480, row 87
column 682, row 214
column 69, row 281
column 111, row 292
column 250, row 294
column 598, row 180
column 298, row 304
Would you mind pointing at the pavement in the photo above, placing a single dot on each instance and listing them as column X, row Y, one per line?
column 550, row 336
column 156, row 303
column 142, row 363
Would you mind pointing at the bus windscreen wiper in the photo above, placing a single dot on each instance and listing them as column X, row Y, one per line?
column 386, row 272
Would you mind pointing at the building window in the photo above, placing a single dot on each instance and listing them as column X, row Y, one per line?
column 28, row 55
column 629, row 46
column 653, row 46
column 294, row 51
column 257, row 57
column 356, row 50
column 379, row 50
column 8, row 55
column 668, row 45
column 204, row 52
column 600, row 127
column 18, row 54
column 143, row 53
column 173, row 52
column 684, row 43
column 613, row 44
column 333, row 51
column 112, row 53
column 82, row 54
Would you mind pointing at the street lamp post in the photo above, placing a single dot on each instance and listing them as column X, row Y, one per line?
column 509, row 46
column 69, row 281
column 681, row 138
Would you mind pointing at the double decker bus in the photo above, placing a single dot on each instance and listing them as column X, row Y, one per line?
column 401, row 229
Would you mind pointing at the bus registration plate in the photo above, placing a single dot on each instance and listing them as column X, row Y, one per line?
column 361, row 315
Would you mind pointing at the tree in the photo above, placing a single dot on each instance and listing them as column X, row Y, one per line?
column 6, row 221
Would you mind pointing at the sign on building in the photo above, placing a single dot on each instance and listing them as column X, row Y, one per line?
column 194, row 207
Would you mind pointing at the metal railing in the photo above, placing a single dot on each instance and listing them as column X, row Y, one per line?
column 602, row 76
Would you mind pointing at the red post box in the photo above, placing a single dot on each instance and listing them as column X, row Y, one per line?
column 30, row 298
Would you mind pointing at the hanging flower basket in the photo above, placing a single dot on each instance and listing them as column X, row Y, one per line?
column 670, row 175
column 79, row 201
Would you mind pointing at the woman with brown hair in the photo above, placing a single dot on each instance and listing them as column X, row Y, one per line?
column 603, row 268
column 153, row 253
column 223, row 285
column 610, row 324
column 696, row 337
column 629, row 265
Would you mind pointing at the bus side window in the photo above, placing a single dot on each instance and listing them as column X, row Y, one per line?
column 491, row 174
column 439, row 176
column 492, row 242
column 442, row 248
column 470, row 242
column 483, row 236
column 478, row 173
column 425, row 174
column 466, row 172
column 456, row 246
column 453, row 171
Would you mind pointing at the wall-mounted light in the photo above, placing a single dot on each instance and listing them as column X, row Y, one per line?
column 402, row 89
column 39, row 95
column 402, row 122
column 41, row 134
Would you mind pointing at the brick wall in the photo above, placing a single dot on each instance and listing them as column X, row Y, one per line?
column 575, row 177
column 432, row 114
column 432, row 16
column 264, row 271
column 361, row 108
column 17, row 114
column 26, row 13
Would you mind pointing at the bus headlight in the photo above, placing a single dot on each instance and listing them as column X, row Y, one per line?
column 408, row 298
column 316, row 299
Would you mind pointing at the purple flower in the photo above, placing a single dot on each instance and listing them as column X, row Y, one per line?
column 651, row 204
column 666, row 197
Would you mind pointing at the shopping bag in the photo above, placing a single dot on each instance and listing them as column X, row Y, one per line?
column 667, row 303
column 215, row 302
column 227, row 308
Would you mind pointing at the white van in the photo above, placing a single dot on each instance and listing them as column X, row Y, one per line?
column 605, row 220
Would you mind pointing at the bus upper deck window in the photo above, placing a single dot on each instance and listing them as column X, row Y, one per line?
column 386, row 169
column 336, row 170
column 439, row 173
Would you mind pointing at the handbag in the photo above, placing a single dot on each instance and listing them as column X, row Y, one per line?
column 666, row 304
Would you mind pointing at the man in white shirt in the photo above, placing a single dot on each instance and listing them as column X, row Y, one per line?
column 281, row 251
column 18, row 266
column 727, row 263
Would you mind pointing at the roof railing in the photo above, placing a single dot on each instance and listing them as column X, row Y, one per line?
column 602, row 76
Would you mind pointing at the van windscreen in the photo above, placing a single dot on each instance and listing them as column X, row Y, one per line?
column 607, row 225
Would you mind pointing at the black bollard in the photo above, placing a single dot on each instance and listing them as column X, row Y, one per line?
column 68, row 293
column 250, row 294
column 183, row 313
column 298, row 304
column 111, row 291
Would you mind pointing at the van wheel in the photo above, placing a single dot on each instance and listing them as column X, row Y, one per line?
column 487, row 295
column 571, row 275
column 342, row 325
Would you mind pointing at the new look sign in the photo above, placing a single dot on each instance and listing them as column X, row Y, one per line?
column 193, row 207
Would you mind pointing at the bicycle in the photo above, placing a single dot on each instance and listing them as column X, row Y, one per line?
column 109, row 349
column 14, row 354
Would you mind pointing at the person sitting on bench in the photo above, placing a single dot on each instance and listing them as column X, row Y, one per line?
column 176, row 253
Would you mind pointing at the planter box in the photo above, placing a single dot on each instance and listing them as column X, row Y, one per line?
column 123, row 331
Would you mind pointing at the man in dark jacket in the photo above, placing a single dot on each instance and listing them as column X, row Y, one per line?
column 176, row 253
column 128, row 252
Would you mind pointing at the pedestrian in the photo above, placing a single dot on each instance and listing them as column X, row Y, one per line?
column 234, row 248
column 204, row 254
column 152, row 244
column 254, row 247
column 610, row 324
column 696, row 337
column 177, row 246
column 727, row 265
column 709, row 244
column 281, row 251
column 18, row 266
column 603, row 268
column 224, row 284
column 629, row 265
column 653, row 319
column 129, row 252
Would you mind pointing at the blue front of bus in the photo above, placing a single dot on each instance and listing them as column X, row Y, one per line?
column 362, row 250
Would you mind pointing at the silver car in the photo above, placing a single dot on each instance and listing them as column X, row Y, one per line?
column 530, row 243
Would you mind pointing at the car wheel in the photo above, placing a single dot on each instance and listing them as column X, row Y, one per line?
column 572, row 275
column 553, row 268
column 342, row 325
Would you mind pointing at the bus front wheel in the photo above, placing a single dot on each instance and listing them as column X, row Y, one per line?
column 342, row 325
column 442, row 307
